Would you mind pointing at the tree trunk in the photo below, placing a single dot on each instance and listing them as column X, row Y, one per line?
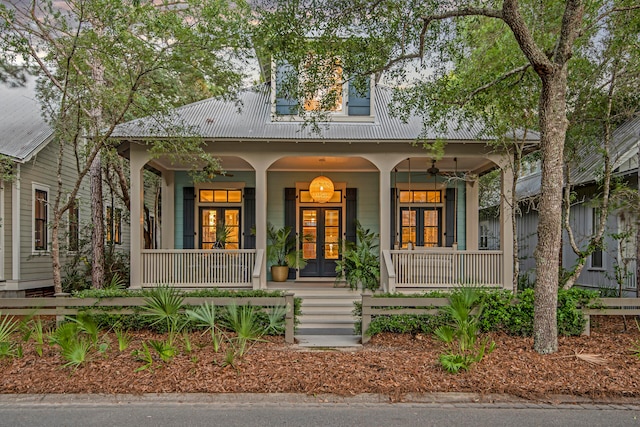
column 553, row 128
column 55, row 257
column 97, row 233
column 638, row 230
column 517, row 165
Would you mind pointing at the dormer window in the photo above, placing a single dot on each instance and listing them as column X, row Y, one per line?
column 331, row 96
column 340, row 100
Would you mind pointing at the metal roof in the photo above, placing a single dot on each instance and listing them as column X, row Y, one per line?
column 250, row 118
column 624, row 145
column 23, row 131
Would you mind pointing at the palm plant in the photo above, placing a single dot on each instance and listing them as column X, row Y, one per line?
column 205, row 315
column 462, row 333
column 245, row 323
column 360, row 262
column 281, row 248
column 276, row 319
column 164, row 306
column 7, row 327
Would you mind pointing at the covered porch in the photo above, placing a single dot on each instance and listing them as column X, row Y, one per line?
column 394, row 190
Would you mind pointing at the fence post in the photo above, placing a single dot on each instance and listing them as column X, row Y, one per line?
column 60, row 306
column 289, row 318
column 587, row 323
column 366, row 317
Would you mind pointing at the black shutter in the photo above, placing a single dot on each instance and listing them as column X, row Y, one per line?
column 351, row 214
column 393, row 206
column 450, row 220
column 290, row 218
column 188, row 226
column 249, row 218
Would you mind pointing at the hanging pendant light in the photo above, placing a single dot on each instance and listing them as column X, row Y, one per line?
column 321, row 189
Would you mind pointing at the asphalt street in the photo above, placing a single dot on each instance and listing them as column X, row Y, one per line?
column 292, row 410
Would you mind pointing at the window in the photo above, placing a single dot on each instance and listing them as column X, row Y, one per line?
column 305, row 197
column 219, row 228
column 421, row 227
column 74, row 226
column 327, row 99
column 596, row 255
column 220, row 196
column 114, row 225
column 40, row 218
column 421, row 196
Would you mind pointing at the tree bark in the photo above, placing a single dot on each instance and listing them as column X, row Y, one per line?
column 97, row 218
column 553, row 127
column 638, row 230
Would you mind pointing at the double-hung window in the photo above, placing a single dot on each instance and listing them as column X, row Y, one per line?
column 40, row 218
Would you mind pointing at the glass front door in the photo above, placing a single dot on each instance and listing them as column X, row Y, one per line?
column 321, row 229
column 421, row 227
column 219, row 228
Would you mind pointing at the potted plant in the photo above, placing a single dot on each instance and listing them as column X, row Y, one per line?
column 282, row 252
column 360, row 262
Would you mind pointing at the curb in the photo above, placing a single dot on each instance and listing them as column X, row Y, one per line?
column 278, row 399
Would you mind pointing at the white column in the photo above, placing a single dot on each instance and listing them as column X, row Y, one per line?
column 261, row 216
column 168, row 210
column 138, row 158
column 506, row 228
column 472, row 214
column 385, row 209
column 15, row 226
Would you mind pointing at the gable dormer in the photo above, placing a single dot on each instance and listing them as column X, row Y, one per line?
column 344, row 100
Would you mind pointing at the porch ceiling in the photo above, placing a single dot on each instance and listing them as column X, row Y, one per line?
column 323, row 163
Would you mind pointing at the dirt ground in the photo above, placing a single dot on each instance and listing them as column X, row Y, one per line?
column 392, row 365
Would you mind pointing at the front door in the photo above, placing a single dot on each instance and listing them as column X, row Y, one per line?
column 220, row 228
column 320, row 239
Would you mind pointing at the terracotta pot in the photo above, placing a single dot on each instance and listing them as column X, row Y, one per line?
column 279, row 273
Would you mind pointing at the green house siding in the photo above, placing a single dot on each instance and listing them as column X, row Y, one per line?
column 366, row 183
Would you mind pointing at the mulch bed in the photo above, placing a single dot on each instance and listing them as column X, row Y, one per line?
column 393, row 365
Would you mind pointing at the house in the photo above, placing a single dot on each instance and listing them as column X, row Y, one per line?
column 29, row 151
column 424, row 209
column 613, row 267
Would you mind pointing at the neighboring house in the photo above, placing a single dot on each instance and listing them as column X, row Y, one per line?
column 615, row 263
column 381, row 178
column 27, row 143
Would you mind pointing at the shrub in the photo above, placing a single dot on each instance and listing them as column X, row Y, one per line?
column 501, row 312
column 138, row 321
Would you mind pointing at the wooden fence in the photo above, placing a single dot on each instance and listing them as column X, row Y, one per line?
column 417, row 305
column 611, row 307
column 64, row 306
column 388, row 306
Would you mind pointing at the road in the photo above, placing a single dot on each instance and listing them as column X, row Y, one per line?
column 89, row 411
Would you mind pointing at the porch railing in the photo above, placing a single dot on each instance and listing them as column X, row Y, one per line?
column 441, row 268
column 198, row 267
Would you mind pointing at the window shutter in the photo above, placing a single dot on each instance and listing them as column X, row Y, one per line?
column 290, row 218
column 359, row 102
column 285, row 103
column 450, row 222
column 351, row 214
column 393, row 206
column 249, row 218
column 188, row 226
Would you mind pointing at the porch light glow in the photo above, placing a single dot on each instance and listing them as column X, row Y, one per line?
column 321, row 189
